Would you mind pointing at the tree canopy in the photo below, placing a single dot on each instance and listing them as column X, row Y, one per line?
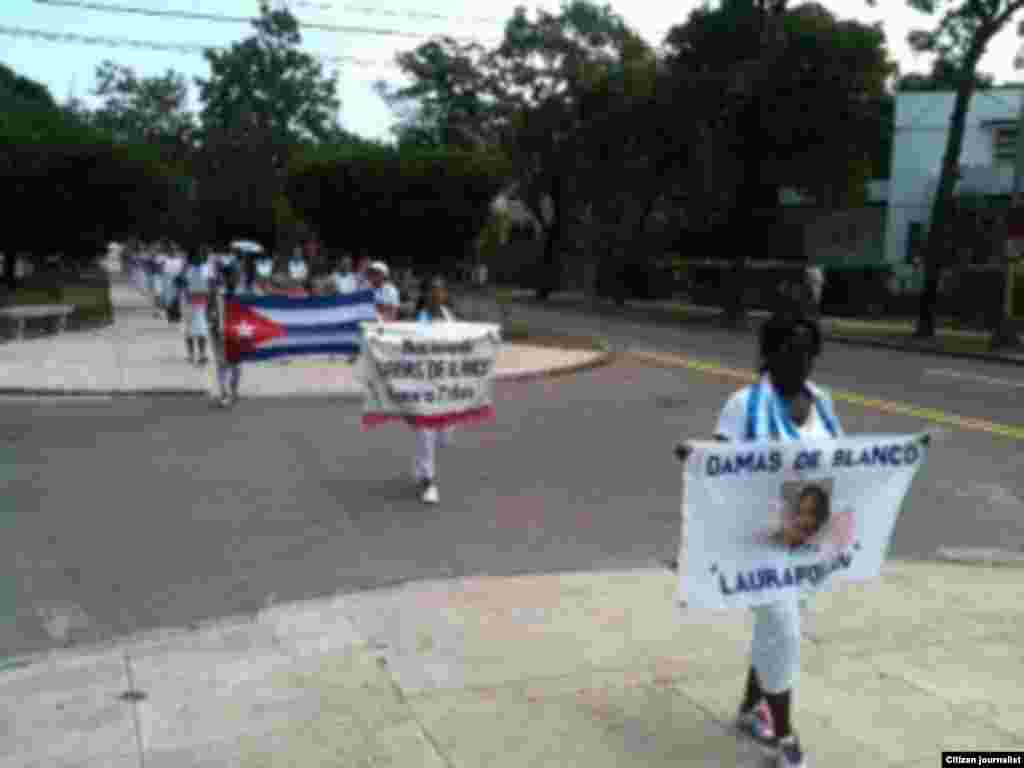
column 421, row 206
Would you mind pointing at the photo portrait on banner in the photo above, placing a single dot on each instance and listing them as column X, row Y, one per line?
column 763, row 519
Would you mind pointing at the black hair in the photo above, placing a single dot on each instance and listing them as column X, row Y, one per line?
column 823, row 509
column 426, row 285
column 781, row 327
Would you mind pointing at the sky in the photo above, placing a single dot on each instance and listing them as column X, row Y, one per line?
column 68, row 68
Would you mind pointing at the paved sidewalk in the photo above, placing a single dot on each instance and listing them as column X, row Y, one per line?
column 141, row 353
column 884, row 334
column 577, row 669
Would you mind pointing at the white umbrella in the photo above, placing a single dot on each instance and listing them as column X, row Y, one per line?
column 247, row 246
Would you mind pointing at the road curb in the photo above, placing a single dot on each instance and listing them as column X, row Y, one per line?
column 879, row 344
column 602, row 358
column 980, row 556
column 72, row 393
column 664, row 318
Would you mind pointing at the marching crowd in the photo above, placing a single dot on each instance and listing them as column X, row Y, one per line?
column 187, row 294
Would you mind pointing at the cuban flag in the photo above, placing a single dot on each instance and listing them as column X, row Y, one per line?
column 267, row 327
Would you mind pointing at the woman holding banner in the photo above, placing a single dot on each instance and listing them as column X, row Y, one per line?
column 782, row 405
column 433, row 309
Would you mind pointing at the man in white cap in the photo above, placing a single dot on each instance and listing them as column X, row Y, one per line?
column 385, row 293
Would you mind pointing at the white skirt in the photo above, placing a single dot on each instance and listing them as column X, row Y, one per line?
column 194, row 319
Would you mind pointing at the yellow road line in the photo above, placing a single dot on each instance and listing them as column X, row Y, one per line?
column 887, row 406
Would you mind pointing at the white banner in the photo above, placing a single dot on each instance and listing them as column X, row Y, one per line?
column 765, row 519
column 428, row 375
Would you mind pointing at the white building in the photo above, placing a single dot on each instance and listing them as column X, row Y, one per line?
column 919, row 140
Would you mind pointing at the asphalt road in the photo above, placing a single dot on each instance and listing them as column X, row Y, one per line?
column 134, row 514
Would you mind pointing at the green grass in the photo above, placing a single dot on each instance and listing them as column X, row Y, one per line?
column 91, row 302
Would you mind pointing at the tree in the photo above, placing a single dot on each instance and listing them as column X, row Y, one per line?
column 539, row 77
column 446, row 105
column 19, row 94
column 788, row 98
column 138, row 108
column 264, row 99
column 960, row 38
column 731, row 53
column 92, row 187
column 269, row 83
column 627, row 162
column 428, row 203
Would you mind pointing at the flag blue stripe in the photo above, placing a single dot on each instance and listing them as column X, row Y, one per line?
column 298, row 350
column 321, row 330
column 310, row 302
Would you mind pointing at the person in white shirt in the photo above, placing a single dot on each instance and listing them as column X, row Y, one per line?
column 199, row 278
column 344, row 280
column 173, row 267
column 361, row 273
column 782, row 405
column 298, row 269
column 385, row 293
column 264, row 272
column 433, row 309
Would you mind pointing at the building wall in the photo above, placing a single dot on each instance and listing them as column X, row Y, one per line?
column 921, row 124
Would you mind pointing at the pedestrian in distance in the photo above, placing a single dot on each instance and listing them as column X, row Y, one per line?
column 197, row 292
column 344, row 280
column 782, row 405
column 361, row 273
column 229, row 374
column 386, row 296
column 434, row 309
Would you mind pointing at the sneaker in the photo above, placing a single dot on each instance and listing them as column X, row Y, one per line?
column 758, row 726
column 430, row 494
column 791, row 754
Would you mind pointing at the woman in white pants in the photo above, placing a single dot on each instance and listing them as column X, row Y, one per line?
column 433, row 309
column 782, row 405
column 197, row 329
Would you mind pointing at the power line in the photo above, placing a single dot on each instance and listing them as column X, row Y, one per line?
column 188, row 48
column 130, row 9
column 421, row 14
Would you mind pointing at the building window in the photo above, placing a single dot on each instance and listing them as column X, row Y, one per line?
column 1004, row 144
column 914, row 241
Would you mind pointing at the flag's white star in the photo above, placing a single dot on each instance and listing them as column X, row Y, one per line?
column 244, row 331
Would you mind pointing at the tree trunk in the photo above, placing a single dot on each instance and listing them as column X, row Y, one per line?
column 934, row 245
column 548, row 275
column 744, row 219
column 10, row 277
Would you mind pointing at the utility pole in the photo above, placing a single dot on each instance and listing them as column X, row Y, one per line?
column 1005, row 334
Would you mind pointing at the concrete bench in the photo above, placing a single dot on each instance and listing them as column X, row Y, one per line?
column 22, row 314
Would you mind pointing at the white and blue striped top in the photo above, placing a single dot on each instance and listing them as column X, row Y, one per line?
column 757, row 413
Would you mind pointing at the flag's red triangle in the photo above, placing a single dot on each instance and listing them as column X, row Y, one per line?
column 245, row 329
